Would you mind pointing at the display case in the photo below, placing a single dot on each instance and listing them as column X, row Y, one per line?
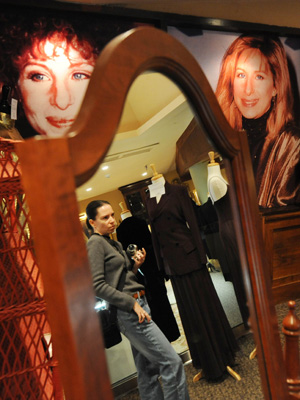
column 135, row 198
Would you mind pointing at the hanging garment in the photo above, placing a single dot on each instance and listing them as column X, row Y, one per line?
column 209, row 227
column 135, row 230
column 180, row 253
column 228, row 238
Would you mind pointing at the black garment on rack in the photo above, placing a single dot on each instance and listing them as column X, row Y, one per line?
column 228, row 237
column 209, row 226
column 180, row 253
column 133, row 230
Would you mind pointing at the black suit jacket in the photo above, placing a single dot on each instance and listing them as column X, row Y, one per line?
column 175, row 232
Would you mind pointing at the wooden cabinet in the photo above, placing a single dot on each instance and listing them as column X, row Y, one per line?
column 135, row 198
column 281, row 231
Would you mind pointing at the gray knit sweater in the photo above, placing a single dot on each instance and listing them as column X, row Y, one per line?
column 106, row 266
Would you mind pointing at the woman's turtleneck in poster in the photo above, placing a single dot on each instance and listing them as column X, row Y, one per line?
column 256, row 134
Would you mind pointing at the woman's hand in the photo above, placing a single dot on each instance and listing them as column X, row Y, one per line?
column 138, row 258
column 141, row 313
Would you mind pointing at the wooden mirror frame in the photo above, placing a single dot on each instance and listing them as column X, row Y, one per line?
column 51, row 169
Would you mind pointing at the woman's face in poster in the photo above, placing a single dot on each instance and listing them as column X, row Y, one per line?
column 52, row 87
column 253, row 86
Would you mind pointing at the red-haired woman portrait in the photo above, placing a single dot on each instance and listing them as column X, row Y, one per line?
column 48, row 61
column 254, row 92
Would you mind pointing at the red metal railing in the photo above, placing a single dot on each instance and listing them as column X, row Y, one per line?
column 26, row 365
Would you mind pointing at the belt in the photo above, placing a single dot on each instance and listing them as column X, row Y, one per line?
column 139, row 294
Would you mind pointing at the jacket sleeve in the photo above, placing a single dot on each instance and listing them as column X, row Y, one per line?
column 281, row 180
column 156, row 248
column 191, row 218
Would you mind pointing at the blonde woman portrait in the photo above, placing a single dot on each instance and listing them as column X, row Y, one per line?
column 254, row 92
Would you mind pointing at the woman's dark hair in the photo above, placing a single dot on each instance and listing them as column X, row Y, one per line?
column 92, row 209
column 20, row 30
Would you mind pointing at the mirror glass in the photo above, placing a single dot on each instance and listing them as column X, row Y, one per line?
column 156, row 120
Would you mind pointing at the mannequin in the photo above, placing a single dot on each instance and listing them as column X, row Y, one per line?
column 125, row 213
column 217, row 185
column 218, row 190
column 133, row 230
column 181, row 255
column 157, row 189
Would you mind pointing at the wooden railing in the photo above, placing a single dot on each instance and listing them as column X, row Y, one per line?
column 291, row 330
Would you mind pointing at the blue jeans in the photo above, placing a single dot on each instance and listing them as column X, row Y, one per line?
column 154, row 356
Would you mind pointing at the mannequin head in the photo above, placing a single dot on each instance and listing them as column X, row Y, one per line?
column 216, row 184
column 125, row 214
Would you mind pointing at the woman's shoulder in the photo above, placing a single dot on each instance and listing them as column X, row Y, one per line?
column 96, row 238
column 291, row 130
column 289, row 138
column 99, row 240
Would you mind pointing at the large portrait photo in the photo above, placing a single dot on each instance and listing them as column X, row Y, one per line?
column 46, row 61
column 256, row 80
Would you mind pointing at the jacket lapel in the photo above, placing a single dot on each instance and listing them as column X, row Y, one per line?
column 156, row 209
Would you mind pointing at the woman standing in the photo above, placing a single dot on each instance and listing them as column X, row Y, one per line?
column 153, row 354
column 254, row 92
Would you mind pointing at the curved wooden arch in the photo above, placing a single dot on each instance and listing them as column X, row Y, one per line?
column 51, row 167
column 112, row 79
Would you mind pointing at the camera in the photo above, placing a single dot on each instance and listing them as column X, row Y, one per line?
column 131, row 250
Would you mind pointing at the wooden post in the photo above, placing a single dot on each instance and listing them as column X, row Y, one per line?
column 291, row 330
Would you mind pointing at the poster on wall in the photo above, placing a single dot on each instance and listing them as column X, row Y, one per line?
column 47, row 59
column 256, row 79
column 46, row 62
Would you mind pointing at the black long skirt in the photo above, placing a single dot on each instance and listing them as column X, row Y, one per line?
column 209, row 336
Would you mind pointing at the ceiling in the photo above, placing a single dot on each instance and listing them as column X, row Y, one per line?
column 271, row 12
column 155, row 115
